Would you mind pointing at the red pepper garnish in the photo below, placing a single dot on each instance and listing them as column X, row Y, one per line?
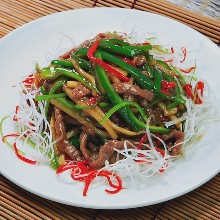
column 167, row 85
column 169, row 61
column 128, row 61
column 9, row 135
column 101, row 63
column 29, row 80
column 188, row 70
column 106, row 174
column 165, row 91
column 195, row 97
column 143, row 139
column 184, row 54
column 16, row 149
column 16, row 112
column 93, row 100
column 22, row 157
column 172, row 50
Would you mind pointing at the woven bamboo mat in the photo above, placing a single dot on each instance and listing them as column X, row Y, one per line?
column 16, row 203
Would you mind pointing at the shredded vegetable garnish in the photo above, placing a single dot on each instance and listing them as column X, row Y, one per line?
column 110, row 109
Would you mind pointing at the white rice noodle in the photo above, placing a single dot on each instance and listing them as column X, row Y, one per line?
column 32, row 125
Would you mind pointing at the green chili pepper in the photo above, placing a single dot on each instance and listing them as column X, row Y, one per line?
column 43, row 90
column 115, row 42
column 49, row 96
column 149, row 70
column 74, row 141
column 164, row 64
column 121, row 105
column 130, row 51
column 57, row 85
column 54, row 72
column 62, row 63
column 104, row 104
column 84, row 64
column 125, row 112
column 142, row 80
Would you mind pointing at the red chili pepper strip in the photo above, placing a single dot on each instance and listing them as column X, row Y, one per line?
column 160, row 151
column 127, row 61
column 165, row 91
column 169, row 61
column 184, row 54
column 195, row 97
column 16, row 112
column 9, row 135
column 93, row 100
column 188, row 70
column 143, row 139
column 91, row 176
column 22, row 157
column 101, row 63
column 199, row 86
column 167, row 85
column 172, row 50
column 188, row 89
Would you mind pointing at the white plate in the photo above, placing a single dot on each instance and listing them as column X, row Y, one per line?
column 23, row 47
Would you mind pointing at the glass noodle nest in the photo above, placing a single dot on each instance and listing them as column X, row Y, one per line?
column 110, row 108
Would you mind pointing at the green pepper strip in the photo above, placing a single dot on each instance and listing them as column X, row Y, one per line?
column 58, row 84
column 125, row 112
column 52, row 73
column 62, row 63
column 66, row 107
column 49, row 96
column 121, row 105
column 149, row 70
column 104, row 104
column 84, row 64
column 164, row 64
column 129, row 51
column 115, row 41
column 141, row 79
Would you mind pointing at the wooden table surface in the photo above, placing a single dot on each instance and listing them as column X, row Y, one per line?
column 16, row 203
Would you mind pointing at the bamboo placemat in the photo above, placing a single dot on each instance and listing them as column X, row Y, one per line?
column 16, row 203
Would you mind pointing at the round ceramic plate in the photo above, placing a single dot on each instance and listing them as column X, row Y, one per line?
column 44, row 39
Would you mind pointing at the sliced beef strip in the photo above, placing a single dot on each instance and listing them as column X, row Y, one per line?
column 106, row 152
column 62, row 142
column 87, row 153
column 178, row 137
column 80, row 91
column 123, row 88
column 139, row 60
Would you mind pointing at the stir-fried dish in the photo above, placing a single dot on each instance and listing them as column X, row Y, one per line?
column 109, row 108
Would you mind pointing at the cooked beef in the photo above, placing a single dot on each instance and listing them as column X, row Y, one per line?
column 88, row 130
column 70, row 120
column 125, row 88
column 177, row 137
column 83, row 141
column 80, row 91
column 106, row 152
column 63, row 144
column 87, row 153
column 139, row 60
